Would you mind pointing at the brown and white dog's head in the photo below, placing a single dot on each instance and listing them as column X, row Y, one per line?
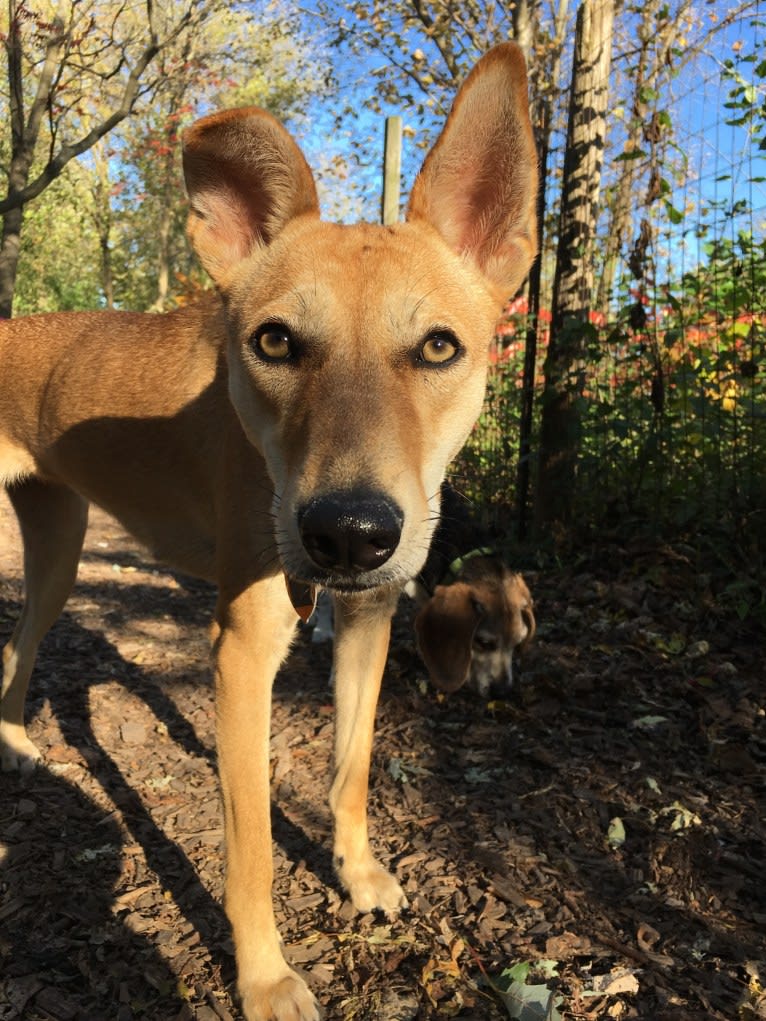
column 471, row 630
column 357, row 354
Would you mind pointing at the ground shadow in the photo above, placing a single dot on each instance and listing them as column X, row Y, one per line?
column 64, row 852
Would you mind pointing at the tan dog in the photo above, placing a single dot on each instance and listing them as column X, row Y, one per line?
column 297, row 425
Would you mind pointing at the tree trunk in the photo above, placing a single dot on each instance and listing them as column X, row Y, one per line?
column 25, row 128
column 523, row 32
column 545, row 76
column 24, row 133
column 163, row 257
column 10, row 246
column 620, row 224
column 107, row 274
column 623, row 204
column 573, row 278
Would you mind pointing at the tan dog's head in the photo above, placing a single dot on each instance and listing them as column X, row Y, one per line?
column 470, row 630
column 357, row 354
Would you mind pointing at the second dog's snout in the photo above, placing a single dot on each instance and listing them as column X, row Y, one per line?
column 350, row 531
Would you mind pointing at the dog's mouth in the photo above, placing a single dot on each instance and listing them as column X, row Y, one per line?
column 349, row 587
column 491, row 674
column 303, row 594
column 346, row 584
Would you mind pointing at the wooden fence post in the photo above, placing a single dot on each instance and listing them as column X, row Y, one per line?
column 392, row 169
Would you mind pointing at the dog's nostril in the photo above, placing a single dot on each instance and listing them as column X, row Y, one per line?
column 350, row 531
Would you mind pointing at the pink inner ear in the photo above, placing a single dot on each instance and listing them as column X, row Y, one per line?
column 229, row 227
column 246, row 180
column 480, row 214
column 478, row 185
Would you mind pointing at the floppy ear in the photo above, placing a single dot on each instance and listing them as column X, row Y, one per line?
column 478, row 185
column 246, row 179
column 529, row 619
column 518, row 595
column 445, row 628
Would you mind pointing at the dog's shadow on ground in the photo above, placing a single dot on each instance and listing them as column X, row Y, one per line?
column 63, row 852
column 59, row 921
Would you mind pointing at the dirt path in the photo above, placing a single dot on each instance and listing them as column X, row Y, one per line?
column 608, row 819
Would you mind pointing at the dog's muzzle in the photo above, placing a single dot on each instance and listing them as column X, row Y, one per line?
column 350, row 532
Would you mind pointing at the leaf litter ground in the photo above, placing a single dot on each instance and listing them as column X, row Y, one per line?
column 594, row 848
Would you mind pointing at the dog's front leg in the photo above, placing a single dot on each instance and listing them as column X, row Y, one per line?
column 362, row 630
column 255, row 630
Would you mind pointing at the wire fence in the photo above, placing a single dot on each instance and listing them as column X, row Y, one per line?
column 671, row 386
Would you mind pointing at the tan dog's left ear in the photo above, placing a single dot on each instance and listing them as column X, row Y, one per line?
column 445, row 628
column 478, row 185
column 246, row 180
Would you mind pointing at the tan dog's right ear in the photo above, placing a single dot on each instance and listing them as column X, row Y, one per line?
column 445, row 628
column 478, row 185
column 246, row 179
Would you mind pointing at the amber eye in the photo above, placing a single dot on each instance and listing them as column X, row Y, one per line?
column 273, row 342
column 439, row 348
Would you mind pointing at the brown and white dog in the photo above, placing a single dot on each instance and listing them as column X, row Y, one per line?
column 294, row 426
column 475, row 613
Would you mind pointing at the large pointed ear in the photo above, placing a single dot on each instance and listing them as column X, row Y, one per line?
column 246, row 179
column 478, row 185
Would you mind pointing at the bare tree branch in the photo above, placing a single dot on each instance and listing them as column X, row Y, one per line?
column 19, row 196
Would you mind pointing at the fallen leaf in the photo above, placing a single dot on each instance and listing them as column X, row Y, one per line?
column 615, row 835
column 615, row 983
column 683, row 817
column 649, row 722
column 534, row 1002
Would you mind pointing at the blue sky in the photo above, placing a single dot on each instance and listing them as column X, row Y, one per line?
column 719, row 160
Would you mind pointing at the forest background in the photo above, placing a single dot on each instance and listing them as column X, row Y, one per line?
column 626, row 392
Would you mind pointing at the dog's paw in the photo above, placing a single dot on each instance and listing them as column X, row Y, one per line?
column 17, row 753
column 371, row 887
column 288, row 999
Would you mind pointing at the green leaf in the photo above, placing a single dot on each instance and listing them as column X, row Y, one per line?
column 674, row 645
column 518, row 972
column 183, row 991
column 647, row 94
column 649, row 722
column 529, row 1002
column 674, row 215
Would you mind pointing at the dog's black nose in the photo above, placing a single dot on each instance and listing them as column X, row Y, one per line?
column 356, row 531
